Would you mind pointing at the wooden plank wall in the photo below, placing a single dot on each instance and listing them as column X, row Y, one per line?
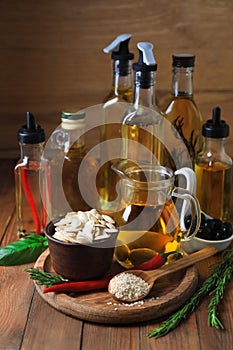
column 51, row 54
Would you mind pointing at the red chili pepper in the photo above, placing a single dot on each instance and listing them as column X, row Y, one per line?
column 155, row 262
column 28, row 193
column 83, row 286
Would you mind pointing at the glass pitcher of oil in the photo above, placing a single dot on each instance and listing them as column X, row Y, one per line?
column 148, row 218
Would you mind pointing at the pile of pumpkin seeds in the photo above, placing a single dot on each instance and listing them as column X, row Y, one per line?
column 84, row 227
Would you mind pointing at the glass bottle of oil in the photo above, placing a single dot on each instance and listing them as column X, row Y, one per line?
column 141, row 123
column 213, row 169
column 30, row 212
column 114, row 106
column 70, row 167
column 183, row 113
column 121, row 90
column 75, row 151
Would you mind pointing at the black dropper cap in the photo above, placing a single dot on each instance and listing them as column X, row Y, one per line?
column 183, row 60
column 215, row 127
column 31, row 132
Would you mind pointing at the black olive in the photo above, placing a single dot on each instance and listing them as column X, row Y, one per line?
column 218, row 235
column 187, row 221
column 205, row 234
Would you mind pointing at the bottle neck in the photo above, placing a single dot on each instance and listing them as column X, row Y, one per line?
column 144, row 89
column 122, row 78
column 214, row 145
column 32, row 151
column 182, row 81
column 74, row 139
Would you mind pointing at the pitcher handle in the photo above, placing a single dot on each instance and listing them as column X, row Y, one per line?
column 190, row 179
column 195, row 212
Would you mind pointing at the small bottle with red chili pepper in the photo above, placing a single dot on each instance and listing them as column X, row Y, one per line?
column 30, row 212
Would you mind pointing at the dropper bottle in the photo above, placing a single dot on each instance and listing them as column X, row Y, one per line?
column 213, row 168
column 113, row 108
column 142, row 120
column 30, row 212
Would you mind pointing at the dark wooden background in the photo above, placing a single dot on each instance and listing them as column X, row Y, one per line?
column 51, row 54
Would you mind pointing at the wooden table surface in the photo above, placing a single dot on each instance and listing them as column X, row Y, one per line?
column 27, row 322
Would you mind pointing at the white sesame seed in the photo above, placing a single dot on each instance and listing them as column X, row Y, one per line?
column 128, row 286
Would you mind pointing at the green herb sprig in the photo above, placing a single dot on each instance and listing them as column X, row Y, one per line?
column 45, row 278
column 218, row 293
column 214, row 284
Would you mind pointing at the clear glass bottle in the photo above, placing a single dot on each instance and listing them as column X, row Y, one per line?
column 182, row 111
column 30, row 213
column 213, row 169
column 141, row 123
column 75, row 151
column 113, row 109
column 66, row 152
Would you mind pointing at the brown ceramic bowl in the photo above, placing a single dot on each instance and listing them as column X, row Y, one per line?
column 77, row 261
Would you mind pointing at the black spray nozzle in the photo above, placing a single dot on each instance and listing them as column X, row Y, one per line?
column 120, row 48
column 145, row 65
column 123, row 52
column 146, row 61
column 215, row 127
column 120, row 54
column 31, row 132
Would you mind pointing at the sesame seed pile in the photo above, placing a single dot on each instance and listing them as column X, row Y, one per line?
column 128, row 286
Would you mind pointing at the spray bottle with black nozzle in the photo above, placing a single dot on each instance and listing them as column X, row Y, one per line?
column 121, row 90
column 114, row 107
column 143, row 119
column 30, row 212
column 213, row 168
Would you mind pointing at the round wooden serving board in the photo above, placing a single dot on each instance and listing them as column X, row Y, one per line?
column 169, row 294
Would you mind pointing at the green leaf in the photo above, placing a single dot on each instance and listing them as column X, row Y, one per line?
column 25, row 250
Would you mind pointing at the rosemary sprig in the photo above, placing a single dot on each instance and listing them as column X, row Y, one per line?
column 45, row 278
column 216, row 282
column 218, row 292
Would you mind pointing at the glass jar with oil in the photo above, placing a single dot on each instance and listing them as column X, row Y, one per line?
column 148, row 220
column 213, row 169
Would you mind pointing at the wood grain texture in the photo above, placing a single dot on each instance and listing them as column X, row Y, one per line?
column 100, row 307
column 7, row 195
column 51, row 54
column 55, row 327
column 27, row 322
